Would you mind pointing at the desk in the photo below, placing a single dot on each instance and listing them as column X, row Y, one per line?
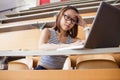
column 83, row 74
column 55, row 52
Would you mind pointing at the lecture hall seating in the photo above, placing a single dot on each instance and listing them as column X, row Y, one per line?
column 21, row 31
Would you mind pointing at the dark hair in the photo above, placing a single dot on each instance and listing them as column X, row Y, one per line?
column 72, row 32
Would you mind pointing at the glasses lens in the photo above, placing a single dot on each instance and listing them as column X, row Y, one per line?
column 67, row 18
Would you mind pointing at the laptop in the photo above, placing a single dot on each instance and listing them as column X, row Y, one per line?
column 105, row 30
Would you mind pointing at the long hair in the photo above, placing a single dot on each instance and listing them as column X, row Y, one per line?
column 73, row 31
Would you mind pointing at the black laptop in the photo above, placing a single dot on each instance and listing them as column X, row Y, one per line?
column 105, row 30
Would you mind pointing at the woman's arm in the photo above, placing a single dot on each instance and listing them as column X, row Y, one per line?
column 44, row 36
column 83, row 24
column 43, row 41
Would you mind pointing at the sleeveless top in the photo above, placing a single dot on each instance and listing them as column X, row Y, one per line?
column 55, row 61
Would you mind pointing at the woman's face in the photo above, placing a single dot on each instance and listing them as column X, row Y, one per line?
column 68, row 20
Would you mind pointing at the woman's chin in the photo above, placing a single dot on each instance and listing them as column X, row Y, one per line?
column 66, row 28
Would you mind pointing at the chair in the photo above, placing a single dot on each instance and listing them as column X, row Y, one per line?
column 67, row 64
column 99, row 61
column 36, row 60
column 20, row 64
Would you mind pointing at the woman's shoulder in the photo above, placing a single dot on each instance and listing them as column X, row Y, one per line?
column 46, row 30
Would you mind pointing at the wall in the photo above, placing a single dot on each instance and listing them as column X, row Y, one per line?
column 42, row 2
column 13, row 6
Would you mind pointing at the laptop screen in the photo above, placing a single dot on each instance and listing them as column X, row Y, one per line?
column 105, row 31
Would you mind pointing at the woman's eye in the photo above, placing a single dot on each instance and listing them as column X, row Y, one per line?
column 68, row 17
column 74, row 21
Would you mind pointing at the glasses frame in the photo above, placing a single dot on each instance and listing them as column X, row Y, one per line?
column 68, row 18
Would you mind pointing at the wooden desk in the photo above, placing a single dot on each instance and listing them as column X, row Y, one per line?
column 48, row 14
column 61, row 52
column 39, row 22
column 28, row 22
column 51, row 8
column 83, row 74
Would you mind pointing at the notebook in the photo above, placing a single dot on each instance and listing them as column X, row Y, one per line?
column 105, row 30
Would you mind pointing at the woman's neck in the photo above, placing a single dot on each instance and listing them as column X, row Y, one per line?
column 62, row 33
column 62, row 36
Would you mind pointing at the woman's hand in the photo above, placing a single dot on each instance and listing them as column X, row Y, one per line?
column 81, row 22
column 78, row 42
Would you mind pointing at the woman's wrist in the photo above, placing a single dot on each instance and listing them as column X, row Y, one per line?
column 87, row 31
column 86, row 28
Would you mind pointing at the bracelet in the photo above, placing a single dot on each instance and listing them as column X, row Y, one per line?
column 86, row 28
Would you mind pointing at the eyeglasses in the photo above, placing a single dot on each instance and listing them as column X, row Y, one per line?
column 68, row 18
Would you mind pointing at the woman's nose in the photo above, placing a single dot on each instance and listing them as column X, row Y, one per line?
column 69, row 22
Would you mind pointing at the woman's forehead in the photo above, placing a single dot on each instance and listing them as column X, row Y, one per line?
column 70, row 12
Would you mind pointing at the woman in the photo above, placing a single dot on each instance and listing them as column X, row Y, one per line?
column 64, row 33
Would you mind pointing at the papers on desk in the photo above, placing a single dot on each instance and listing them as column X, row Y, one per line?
column 72, row 47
